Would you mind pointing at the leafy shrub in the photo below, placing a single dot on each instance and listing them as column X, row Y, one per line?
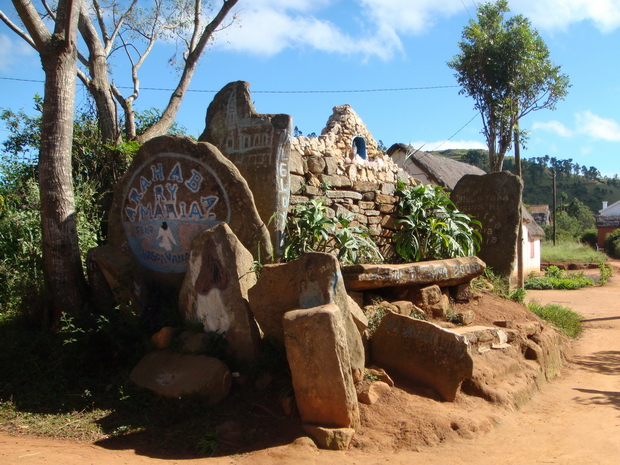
column 431, row 227
column 612, row 244
column 310, row 229
column 555, row 278
column 589, row 237
column 563, row 318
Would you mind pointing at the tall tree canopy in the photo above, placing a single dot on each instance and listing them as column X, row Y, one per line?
column 114, row 30
column 504, row 66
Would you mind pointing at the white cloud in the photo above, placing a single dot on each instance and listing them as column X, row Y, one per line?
column 552, row 126
column 596, row 127
column 375, row 27
column 12, row 53
column 559, row 14
column 446, row 145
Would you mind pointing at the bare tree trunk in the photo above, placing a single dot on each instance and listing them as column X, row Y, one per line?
column 61, row 255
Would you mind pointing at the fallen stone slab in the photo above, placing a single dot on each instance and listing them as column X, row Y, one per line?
column 174, row 375
column 310, row 281
column 447, row 272
column 422, row 352
column 318, row 356
column 330, row 438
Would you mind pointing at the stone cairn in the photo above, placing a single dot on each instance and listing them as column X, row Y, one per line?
column 327, row 167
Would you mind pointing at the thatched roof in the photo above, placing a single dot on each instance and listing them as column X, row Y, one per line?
column 608, row 221
column 533, row 228
column 440, row 170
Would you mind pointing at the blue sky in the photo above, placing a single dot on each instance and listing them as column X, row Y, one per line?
column 370, row 45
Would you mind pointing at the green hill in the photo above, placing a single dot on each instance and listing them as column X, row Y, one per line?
column 572, row 181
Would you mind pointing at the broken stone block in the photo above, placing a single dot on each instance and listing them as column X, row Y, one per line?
column 423, row 352
column 462, row 292
column 318, row 356
column 330, row 438
column 310, row 281
column 466, row 317
column 372, row 392
column 215, row 289
column 174, row 375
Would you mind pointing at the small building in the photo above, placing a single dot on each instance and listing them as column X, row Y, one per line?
column 541, row 214
column 446, row 172
column 607, row 221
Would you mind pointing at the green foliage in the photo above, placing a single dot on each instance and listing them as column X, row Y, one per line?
column 431, row 227
column 606, row 272
column 570, row 251
column 555, row 278
column 517, row 295
column 589, row 237
column 310, row 229
column 612, row 244
column 563, row 318
column 504, row 66
column 207, row 445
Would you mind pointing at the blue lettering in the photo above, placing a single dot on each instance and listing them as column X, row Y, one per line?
column 208, row 202
column 172, row 188
column 130, row 213
column 146, row 212
column 159, row 212
column 144, row 184
column 158, row 172
column 194, row 183
column 171, row 211
column 183, row 212
column 175, row 174
column 195, row 211
column 159, row 194
column 135, row 196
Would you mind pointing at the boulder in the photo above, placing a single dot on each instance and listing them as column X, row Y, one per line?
column 215, row 290
column 310, row 281
column 422, row 352
column 372, row 392
column 447, row 272
column 174, row 375
column 318, row 356
column 330, row 438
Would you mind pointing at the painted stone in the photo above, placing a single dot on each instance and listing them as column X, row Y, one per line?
column 422, row 352
column 215, row 290
column 175, row 189
column 447, row 272
column 259, row 146
column 310, row 281
column 317, row 352
column 495, row 200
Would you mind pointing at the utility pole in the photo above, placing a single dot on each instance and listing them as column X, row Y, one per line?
column 554, row 200
column 520, row 272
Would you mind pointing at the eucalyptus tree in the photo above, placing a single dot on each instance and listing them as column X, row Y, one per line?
column 117, row 33
column 504, row 65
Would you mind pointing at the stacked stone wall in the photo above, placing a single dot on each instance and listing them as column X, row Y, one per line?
column 327, row 167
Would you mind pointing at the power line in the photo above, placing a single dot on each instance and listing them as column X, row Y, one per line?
column 344, row 91
column 450, row 138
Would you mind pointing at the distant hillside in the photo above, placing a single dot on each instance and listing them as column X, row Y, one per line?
column 572, row 180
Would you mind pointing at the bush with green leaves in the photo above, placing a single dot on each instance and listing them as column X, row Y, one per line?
column 563, row 318
column 431, row 227
column 555, row 278
column 612, row 244
column 310, row 229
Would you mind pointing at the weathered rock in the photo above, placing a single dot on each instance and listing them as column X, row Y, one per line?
column 175, row 189
column 462, row 292
column 380, row 375
column 192, row 342
column 318, row 355
column 466, row 317
column 259, row 146
column 372, row 392
column 330, row 438
column 114, row 280
column 215, row 290
column 170, row 374
column 163, row 338
column 495, row 200
column 361, row 321
column 441, row 272
column 422, row 352
column 310, row 281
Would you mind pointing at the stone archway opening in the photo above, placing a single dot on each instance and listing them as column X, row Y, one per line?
column 359, row 147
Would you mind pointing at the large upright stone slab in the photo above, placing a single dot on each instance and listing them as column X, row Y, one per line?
column 175, row 189
column 447, row 272
column 310, row 281
column 423, row 352
column 318, row 355
column 495, row 200
column 258, row 145
column 215, row 290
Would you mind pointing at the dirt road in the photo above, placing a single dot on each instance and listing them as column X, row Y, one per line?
column 575, row 420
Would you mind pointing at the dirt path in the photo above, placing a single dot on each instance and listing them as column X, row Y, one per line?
column 575, row 420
